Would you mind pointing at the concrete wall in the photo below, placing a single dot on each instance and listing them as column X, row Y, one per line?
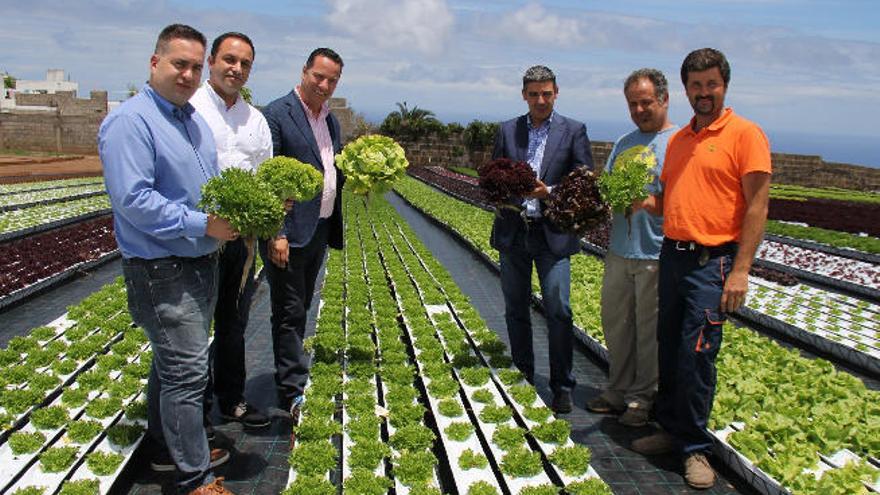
column 803, row 170
column 67, row 125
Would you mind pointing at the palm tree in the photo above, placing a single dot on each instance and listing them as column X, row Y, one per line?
column 410, row 122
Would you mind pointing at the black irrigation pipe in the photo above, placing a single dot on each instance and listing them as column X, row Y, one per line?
column 51, row 188
column 54, row 280
column 825, row 248
column 45, row 227
column 62, row 199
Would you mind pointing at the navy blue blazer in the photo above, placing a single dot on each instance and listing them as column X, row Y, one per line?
column 292, row 136
column 567, row 147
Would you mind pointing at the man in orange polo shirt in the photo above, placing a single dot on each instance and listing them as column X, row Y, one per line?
column 716, row 180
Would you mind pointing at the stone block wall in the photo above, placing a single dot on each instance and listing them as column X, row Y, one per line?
column 72, row 127
column 435, row 150
column 812, row 171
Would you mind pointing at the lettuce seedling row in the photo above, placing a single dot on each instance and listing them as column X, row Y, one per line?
column 17, row 223
column 30, row 199
column 739, row 342
column 436, row 303
column 20, row 187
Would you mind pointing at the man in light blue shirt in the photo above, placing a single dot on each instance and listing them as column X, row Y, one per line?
column 157, row 153
column 629, row 286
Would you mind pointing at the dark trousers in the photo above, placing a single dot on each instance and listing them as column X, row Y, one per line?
column 554, row 273
column 291, row 291
column 230, row 322
column 689, row 331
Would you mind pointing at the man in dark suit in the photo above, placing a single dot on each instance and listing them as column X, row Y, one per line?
column 553, row 145
column 302, row 127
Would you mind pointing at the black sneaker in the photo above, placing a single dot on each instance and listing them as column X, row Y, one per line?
column 247, row 415
column 162, row 462
column 561, row 403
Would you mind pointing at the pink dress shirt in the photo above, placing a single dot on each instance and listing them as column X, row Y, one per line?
column 325, row 145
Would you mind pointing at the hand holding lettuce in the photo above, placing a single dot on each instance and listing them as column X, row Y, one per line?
column 253, row 203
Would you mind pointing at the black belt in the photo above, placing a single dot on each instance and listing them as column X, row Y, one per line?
column 697, row 248
column 192, row 259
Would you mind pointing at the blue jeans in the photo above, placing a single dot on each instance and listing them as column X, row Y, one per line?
column 554, row 273
column 173, row 299
column 689, row 331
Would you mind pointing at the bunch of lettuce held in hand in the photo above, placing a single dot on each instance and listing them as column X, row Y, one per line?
column 372, row 163
column 575, row 204
column 249, row 204
column 290, row 178
column 254, row 203
column 502, row 179
column 626, row 182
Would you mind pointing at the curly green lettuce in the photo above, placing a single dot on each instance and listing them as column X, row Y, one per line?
column 250, row 205
column 372, row 164
column 290, row 178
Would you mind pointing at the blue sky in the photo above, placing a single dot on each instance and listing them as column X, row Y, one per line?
column 807, row 71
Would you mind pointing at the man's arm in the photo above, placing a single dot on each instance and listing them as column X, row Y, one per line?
column 756, row 189
column 126, row 149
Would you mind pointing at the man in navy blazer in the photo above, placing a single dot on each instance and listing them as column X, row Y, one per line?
column 553, row 146
column 302, row 127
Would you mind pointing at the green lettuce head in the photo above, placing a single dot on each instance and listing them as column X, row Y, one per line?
column 372, row 164
column 250, row 205
column 290, row 178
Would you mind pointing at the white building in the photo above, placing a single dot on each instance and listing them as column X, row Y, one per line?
column 54, row 82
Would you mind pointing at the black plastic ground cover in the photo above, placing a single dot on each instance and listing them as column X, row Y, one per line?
column 43, row 227
column 20, row 318
column 49, row 282
column 23, row 206
column 625, row 471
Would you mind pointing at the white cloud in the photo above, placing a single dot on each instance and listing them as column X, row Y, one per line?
column 533, row 23
column 394, row 24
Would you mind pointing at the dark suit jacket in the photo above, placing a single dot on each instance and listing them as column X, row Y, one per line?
column 567, row 147
column 292, row 136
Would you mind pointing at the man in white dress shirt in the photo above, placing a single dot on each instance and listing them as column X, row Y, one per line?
column 244, row 141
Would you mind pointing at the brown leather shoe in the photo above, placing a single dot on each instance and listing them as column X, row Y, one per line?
column 213, row 488
column 698, row 473
column 656, row 444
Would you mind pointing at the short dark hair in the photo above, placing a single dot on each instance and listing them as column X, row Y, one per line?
column 178, row 32
column 324, row 52
column 538, row 73
column 215, row 46
column 661, row 85
column 705, row 59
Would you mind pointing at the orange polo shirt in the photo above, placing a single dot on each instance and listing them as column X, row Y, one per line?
column 703, row 199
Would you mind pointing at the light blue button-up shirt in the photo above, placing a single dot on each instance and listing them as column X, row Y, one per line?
column 156, row 158
column 535, row 155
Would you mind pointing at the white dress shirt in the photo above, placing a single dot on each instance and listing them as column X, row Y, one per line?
column 240, row 131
